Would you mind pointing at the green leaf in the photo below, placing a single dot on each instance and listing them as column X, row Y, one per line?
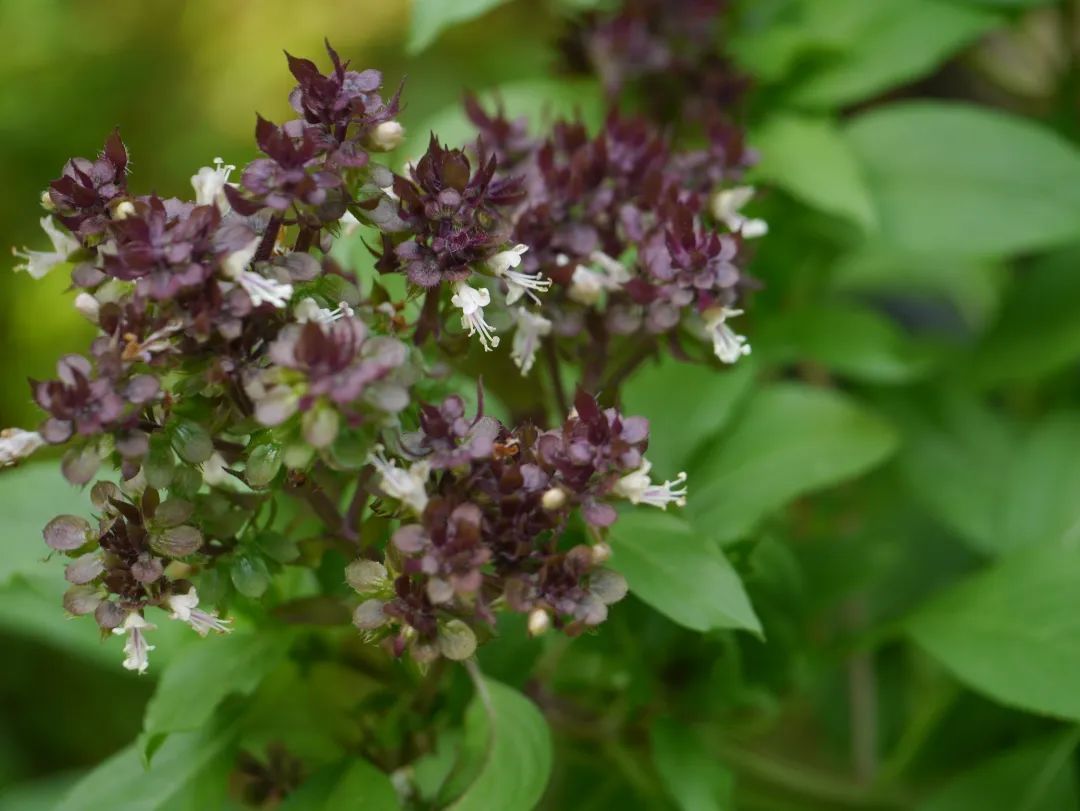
column 431, row 17
column 1042, row 501
column 250, row 575
column 1011, row 632
column 1037, row 331
column 962, row 180
column 895, row 41
column 31, row 495
column 693, row 779
column 1039, row 777
column 810, row 159
column 1001, row 491
column 200, row 678
column 971, row 286
column 679, row 572
column 363, row 786
column 954, row 460
column 706, row 401
column 122, row 783
column 847, row 339
column 792, row 440
column 517, row 758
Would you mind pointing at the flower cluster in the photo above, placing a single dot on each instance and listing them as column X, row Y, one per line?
column 636, row 236
column 239, row 368
column 119, row 567
column 664, row 50
column 485, row 516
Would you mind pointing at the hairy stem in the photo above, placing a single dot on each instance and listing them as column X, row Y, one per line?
column 266, row 246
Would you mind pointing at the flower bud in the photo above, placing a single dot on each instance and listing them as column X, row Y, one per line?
column 176, row 542
column 67, row 532
column 539, row 622
column 46, row 201
column 263, row 464
column 601, row 553
column 386, row 136
column 365, row 575
column 193, row 442
column 369, row 615
column 123, row 210
column 88, row 306
column 298, row 455
column 320, row 426
column 80, row 465
column 456, row 640
column 554, row 499
column 82, row 599
column 608, row 586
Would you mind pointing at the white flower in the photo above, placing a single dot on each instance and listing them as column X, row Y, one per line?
column 387, row 136
column 16, row 444
column 531, row 327
column 38, row 263
column 407, row 486
column 209, row 185
column 185, row 608
column 136, row 651
column 502, row 265
column 638, row 488
column 309, row 310
column 259, row 288
column 472, row 302
column 728, row 345
column 726, row 204
column 588, row 283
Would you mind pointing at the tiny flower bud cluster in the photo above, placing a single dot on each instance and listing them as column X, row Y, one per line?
column 484, row 510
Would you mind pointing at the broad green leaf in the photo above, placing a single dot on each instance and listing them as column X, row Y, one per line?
column 517, row 757
column 972, row 286
column 1013, row 631
column 850, row 340
column 695, row 780
column 810, row 159
column 999, row 489
column 431, row 17
column 961, row 180
column 39, row 795
column 1037, row 331
column 792, row 439
column 679, row 572
column 704, row 401
column 122, row 783
column 897, row 41
column 1039, row 777
column 203, row 674
column 30, row 495
column 955, row 461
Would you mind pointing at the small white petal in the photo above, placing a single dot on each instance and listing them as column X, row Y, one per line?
column 16, row 444
column 531, row 327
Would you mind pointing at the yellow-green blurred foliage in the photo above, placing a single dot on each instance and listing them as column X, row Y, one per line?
column 182, row 79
